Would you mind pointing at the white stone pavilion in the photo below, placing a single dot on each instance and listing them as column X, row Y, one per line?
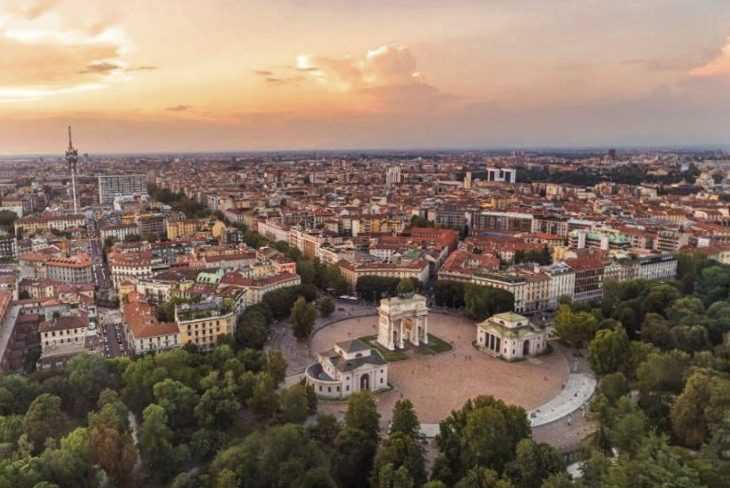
column 403, row 320
column 510, row 336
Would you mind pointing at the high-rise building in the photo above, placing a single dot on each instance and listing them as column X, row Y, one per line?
column 114, row 186
column 392, row 175
column 502, row 175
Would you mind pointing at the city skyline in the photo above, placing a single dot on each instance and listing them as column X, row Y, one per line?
column 315, row 75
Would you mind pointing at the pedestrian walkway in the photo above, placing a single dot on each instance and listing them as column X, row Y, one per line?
column 577, row 391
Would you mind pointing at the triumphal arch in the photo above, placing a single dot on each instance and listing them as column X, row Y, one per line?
column 403, row 320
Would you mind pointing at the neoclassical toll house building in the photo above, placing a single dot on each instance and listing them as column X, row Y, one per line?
column 348, row 367
column 510, row 336
column 402, row 320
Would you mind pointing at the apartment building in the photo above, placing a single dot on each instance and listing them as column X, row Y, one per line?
column 72, row 269
column 113, row 186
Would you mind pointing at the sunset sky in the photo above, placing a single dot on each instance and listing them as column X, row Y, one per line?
column 186, row 75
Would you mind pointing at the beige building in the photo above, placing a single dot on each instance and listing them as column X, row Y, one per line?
column 510, row 336
column 73, row 269
column 203, row 324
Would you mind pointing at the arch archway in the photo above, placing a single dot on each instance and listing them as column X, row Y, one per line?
column 365, row 382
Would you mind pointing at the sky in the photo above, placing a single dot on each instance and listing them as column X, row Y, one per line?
column 214, row 75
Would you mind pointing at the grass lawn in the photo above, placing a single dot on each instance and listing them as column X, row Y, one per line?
column 435, row 345
column 389, row 356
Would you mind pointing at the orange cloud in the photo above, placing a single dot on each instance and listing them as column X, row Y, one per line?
column 718, row 66
column 392, row 64
column 42, row 57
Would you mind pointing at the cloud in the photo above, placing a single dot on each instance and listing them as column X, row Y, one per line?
column 717, row 66
column 42, row 56
column 391, row 64
column 179, row 108
column 38, row 8
column 142, row 68
column 46, row 63
column 100, row 68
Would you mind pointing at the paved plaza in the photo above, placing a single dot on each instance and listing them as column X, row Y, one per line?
column 438, row 384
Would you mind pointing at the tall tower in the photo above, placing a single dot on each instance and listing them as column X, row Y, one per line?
column 72, row 158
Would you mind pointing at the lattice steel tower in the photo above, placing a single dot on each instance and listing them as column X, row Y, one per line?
column 72, row 158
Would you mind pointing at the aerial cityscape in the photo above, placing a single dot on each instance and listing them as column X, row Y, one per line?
column 313, row 262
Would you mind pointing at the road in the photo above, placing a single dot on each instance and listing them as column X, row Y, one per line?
column 101, row 273
column 112, row 333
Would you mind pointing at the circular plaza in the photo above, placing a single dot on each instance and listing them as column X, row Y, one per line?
column 442, row 382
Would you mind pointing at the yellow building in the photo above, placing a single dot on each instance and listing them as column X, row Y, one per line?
column 183, row 228
column 218, row 229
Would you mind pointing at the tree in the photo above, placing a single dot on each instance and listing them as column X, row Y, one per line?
column 264, row 400
column 156, row 449
column 399, row 450
column 178, row 401
column 362, row 414
column 479, row 477
column 608, row 351
column 325, row 429
column 485, row 432
column 278, row 456
column 113, row 450
column 614, row 386
column 373, row 288
column 406, row 286
column 294, row 404
column 655, row 464
column 326, row 306
column 252, row 329
column 44, row 420
column 701, row 405
column 575, row 328
column 303, row 317
column 405, row 420
column 483, row 301
column 218, row 406
column 628, row 426
column 657, row 330
column 353, row 456
column 449, row 294
column 279, row 302
column 534, row 463
column 276, row 366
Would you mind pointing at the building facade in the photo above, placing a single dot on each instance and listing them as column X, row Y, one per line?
column 510, row 336
column 402, row 321
column 348, row 367
column 113, row 186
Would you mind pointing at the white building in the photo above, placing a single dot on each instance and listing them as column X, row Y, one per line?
column 510, row 336
column 402, row 320
column 658, row 267
column 562, row 283
column 393, row 175
column 111, row 187
column 502, row 175
column 349, row 367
